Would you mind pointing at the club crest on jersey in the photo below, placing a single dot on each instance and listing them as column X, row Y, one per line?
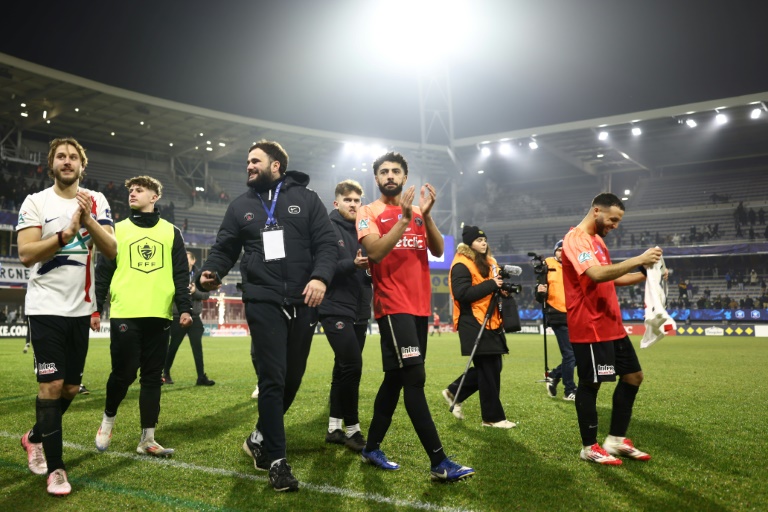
column 146, row 255
column 339, row 325
column 585, row 256
column 419, row 221
column 363, row 224
column 108, row 213
column 248, row 217
column 294, row 209
column 406, row 352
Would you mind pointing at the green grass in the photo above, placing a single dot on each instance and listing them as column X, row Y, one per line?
column 701, row 413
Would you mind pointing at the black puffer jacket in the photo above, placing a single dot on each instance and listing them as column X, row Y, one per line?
column 310, row 243
column 350, row 292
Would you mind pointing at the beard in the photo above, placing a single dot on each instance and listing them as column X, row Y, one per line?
column 67, row 181
column 600, row 228
column 347, row 215
column 262, row 182
column 390, row 192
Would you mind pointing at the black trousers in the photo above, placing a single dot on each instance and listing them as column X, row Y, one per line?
column 347, row 340
column 281, row 337
column 195, row 332
column 483, row 376
column 137, row 343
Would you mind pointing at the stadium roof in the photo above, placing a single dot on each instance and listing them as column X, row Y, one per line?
column 42, row 102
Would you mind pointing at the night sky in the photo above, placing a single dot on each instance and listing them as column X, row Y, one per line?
column 521, row 64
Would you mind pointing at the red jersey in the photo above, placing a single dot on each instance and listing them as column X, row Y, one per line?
column 593, row 309
column 401, row 281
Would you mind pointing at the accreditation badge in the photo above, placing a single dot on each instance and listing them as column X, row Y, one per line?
column 274, row 244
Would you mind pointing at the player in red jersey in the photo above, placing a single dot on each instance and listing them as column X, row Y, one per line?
column 396, row 236
column 600, row 343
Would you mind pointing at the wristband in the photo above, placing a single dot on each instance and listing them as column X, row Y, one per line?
column 96, row 314
column 62, row 243
column 643, row 270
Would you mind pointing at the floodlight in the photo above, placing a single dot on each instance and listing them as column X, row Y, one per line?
column 485, row 152
column 533, row 145
column 505, row 149
column 636, row 131
column 721, row 119
column 602, row 135
column 756, row 113
column 691, row 123
column 626, row 191
column 600, row 155
column 481, row 171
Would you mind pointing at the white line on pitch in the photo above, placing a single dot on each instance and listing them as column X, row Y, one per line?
column 324, row 489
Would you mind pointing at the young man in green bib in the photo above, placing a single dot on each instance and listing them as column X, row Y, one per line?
column 149, row 273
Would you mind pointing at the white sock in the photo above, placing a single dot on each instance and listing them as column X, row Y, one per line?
column 334, row 424
column 107, row 422
column 276, row 462
column 614, row 439
column 147, row 435
column 256, row 437
column 352, row 429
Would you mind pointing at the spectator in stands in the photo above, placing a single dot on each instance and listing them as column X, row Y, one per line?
column 707, row 292
column 717, row 303
column 675, row 240
column 752, row 216
column 753, row 278
column 728, row 280
column 761, row 216
column 749, row 303
column 689, row 290
column 765, row 233
column 682, row 289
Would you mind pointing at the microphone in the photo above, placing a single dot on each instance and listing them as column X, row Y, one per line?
column 511, row 270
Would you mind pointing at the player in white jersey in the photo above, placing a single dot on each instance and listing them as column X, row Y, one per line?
column 57, row 230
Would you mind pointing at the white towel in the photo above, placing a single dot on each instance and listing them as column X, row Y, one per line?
column 657, row 321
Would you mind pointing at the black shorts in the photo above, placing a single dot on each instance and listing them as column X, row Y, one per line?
column 60, row 344
column 403, row 340
column 602, row 361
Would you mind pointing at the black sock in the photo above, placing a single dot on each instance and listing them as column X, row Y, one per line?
column 586, row 412
column 49, row 421
column 34, row 434
column 623, row 401
column 414, row 378
column 149, row 406
column 383, row 408
column 64, row 403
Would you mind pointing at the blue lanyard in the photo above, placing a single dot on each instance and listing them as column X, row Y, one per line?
column 271, row 211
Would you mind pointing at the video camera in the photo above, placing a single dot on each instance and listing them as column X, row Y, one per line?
column 507, row 272
column 539, row 265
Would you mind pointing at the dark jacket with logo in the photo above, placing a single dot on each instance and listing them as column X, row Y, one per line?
column 350, row 292
column 310, row 243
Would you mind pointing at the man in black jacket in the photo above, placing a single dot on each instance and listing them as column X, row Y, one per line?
column 289, row 258
column 344, row 313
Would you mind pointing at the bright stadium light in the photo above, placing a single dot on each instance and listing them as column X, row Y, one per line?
column 636, row 131
column 721, row 118
column 422, row 31
column 602, row 135
column 505, row 149
column 691, row 123
column 756, row 113
column 533, row 145
column 626, row 191
column 485, row 152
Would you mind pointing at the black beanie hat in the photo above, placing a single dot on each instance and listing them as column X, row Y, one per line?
column 471, row 233
column 558, row 245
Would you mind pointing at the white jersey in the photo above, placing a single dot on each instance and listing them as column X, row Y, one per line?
column 63, row 285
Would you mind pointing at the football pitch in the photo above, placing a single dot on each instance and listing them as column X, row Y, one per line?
column 701, row 413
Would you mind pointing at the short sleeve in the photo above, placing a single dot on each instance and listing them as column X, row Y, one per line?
column 578, row 248
column 103, row 211
column 366, row 223
column 29, row 217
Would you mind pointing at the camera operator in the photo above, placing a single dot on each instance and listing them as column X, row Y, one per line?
column 551, row 290
column 474, row 279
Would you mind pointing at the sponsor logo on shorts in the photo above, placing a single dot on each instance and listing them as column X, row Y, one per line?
column 406, row 352
column 585, row 256
column 339, row 325
column 605, row 369
column 294, row 209
column 46, row 368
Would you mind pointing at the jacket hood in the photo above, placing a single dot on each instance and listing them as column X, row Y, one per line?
column 466, row 250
